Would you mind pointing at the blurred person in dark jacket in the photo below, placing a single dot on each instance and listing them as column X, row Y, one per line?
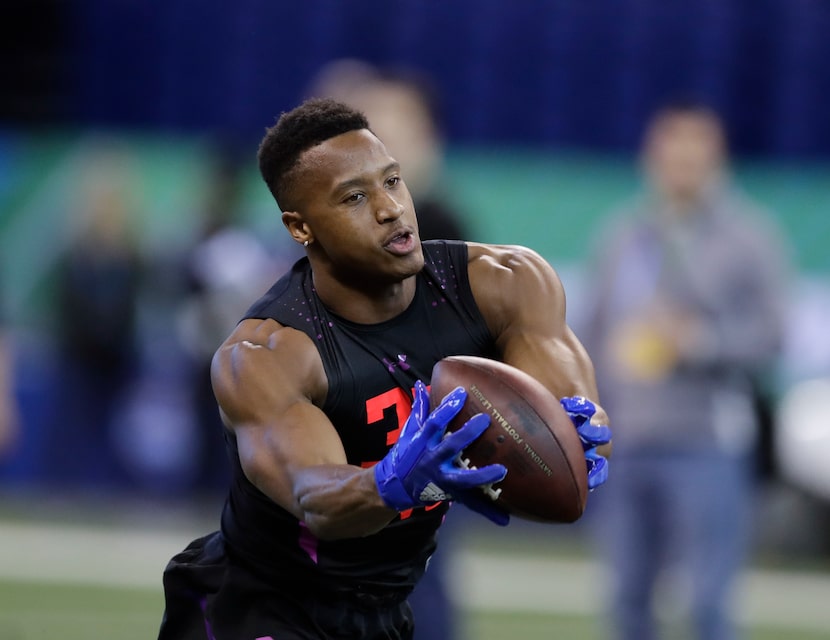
column 97, row 285
column 225, row 267
column 689, row 288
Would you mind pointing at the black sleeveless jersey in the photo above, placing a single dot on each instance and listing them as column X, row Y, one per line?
column 371, row 371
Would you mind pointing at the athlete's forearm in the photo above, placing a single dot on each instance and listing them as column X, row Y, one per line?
column 333, row 499
column 340, row 501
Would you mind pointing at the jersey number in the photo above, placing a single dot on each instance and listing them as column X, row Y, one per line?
column 375, row 408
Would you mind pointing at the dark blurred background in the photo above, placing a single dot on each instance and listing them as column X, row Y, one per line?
column 537, row 73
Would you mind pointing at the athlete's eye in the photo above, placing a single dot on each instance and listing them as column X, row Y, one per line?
column 393, row 181
column 353, row 198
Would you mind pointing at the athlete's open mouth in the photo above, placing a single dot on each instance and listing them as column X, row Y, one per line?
column 401, row 243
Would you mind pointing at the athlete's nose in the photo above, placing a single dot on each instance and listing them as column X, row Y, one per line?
column 389, row 208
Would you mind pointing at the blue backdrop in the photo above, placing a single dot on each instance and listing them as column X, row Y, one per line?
column 579, row 73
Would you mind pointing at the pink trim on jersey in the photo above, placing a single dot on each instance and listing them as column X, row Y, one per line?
column 308, row 542
column 208, row 629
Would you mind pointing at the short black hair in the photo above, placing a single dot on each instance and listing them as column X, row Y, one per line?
column 314, row 121
column 686, row 103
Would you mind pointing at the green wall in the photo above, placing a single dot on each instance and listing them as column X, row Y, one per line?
column 554, row 202
column 548, row 200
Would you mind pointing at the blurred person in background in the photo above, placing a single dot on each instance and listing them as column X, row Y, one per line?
column 97, row 288
column 402, row 108
column 689, row 288
column 9, row 414
column 224, row 269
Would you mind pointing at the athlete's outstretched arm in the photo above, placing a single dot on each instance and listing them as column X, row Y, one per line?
column 265, row 378
column 523, row 303
column 269, row 381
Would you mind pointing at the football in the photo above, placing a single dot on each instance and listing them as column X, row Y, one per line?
column 529, row 433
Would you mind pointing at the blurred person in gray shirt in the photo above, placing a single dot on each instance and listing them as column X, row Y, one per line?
column 690, row 289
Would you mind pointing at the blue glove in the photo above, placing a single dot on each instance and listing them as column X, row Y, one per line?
column 477, row 500
column 580, row 410
column 420, row 468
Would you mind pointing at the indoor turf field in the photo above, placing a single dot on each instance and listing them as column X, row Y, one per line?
column 101, row 579
column 30, row 611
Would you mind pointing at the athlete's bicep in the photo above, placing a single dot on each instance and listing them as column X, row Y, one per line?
column 279, row 457
column 523, row 302
column 265, row 377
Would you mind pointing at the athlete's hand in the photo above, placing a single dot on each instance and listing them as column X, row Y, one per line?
column 580, row 410
column 420, row 469
column 479, row 502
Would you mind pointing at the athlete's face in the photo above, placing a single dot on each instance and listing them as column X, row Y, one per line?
column 356, row 209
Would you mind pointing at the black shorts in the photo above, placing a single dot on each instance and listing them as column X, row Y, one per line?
column 209, row 597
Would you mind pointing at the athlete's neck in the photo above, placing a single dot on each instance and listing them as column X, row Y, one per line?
column 365, row 303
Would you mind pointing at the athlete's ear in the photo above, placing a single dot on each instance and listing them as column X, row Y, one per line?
column 297, row 227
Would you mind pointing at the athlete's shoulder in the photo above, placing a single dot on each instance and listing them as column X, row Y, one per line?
column 503, row 259
column 509, row 281
column 263, row 351
column 265, row 332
